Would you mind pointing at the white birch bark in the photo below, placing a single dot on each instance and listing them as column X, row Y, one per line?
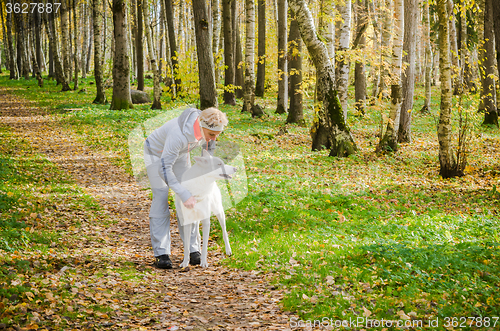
column 330, row 121
column 343, row 64
column 428, row 57
column 390, row 138
column 249, row 94
column 446, row 156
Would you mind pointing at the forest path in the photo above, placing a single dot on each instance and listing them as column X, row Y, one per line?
column 215, row 298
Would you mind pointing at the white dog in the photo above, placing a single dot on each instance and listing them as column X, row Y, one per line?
column 200, row 181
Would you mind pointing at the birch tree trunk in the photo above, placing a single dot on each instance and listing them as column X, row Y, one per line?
column 229, row 97
column 295, row 112
column 239, row 79
column 38, row 40
column 411, row 14
column 206, row 72
column 389, row 141
column 454, row 46
column 282, row 60
column 329, row 126
column 342, row 69
column 385, row 46
column 261, row 59
column 152, row 59
column 488, row 91
column 85, row 39
column 447, row 161
column 428, row 57
column 50, row 27
column 465, row 60
column 249, row 96
column 98, row 74
column 121, row 75
column 216, row 27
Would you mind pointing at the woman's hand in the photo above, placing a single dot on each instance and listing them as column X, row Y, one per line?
column 189, row 204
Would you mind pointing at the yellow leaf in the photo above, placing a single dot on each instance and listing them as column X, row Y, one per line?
column 185, row 313
column 9, row 194
column 30, row 296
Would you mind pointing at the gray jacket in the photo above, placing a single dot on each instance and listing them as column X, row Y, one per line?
column 172, row 142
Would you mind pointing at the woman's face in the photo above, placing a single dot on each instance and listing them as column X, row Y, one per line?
column 210, row 134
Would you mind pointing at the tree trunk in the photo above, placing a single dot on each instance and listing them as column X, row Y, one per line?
column 85, row 39
column 156, row 75
column 359, row 68
column 385, row 43
column 261, row 59
column 12, row 64
column 229, row 97
column 50, row 27
column 38, row 40
column 22, row 50
column 169, row 15
column 488, row 91
column 249, row 96
column 454, row 45
column 239, row 80
column 411, row 15
column 330, row 119
column 121, row 76
column 448, row 165
column 342, row 69
column 98, row 61
column 65, row 39
column 216, row 24
column 75, row 39
column 496, row 25
column 295, row 112
column 206, row 72
column 139, row 46
column 282, row 60
column 389, row 141
column 5, row 42
column 89, row 49
column 375, row 71
column 465, row 60
column 162, row 39
column 428, row 57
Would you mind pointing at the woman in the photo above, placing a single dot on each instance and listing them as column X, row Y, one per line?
column 166, row 154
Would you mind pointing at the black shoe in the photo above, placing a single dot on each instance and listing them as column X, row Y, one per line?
column 163, row 262
column 194, row 258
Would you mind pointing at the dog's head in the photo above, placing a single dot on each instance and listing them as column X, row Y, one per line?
column 214, row 166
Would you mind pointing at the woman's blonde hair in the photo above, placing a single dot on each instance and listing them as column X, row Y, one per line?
column 213, row 118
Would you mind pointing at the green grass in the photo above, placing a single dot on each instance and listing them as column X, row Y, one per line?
column 343, row 236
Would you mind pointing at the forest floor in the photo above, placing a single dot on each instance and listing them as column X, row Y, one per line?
column 97, row 272
column 373, row 237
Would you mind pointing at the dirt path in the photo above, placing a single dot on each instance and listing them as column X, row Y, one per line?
column 215, row 298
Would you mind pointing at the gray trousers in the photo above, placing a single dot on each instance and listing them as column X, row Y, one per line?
column 159, row 214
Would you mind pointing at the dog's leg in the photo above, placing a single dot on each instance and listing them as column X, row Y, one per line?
column 222, row 220
column 187, row 244
column 206, row 234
